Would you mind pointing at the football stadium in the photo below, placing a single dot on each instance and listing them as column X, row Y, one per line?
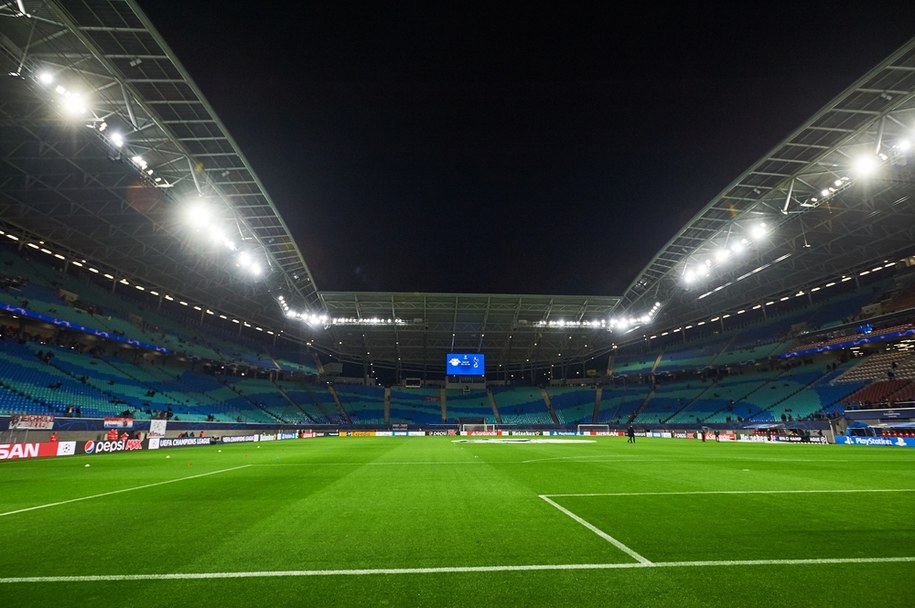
column 187, row 417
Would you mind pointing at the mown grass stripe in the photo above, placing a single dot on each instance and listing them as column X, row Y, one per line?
column 113, row 492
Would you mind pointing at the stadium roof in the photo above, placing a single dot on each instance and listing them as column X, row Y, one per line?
column 416, row 331
column 823, row 215
column 65, row 179
column 106, row 184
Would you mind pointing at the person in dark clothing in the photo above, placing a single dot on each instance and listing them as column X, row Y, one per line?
column 630, row 432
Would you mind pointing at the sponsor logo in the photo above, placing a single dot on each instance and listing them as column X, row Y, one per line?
column 66, row 448
column 10, row 451
column 885, row 441
column 121, row 445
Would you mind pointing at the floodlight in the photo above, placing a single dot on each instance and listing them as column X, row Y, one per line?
column 73, row 104
column 824, row 192
column 46, row 78
column 758, row 231
column 198, row 215
column 244, row 259
column 117, row 140
column 865, row 166
column 903, row 145
column 721, row 255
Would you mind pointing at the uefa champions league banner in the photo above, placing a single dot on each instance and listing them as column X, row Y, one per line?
column 156, row 443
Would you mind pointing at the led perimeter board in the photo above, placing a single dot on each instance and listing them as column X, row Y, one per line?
column 465, row 364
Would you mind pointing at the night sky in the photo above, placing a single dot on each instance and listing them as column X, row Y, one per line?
column 459, row 147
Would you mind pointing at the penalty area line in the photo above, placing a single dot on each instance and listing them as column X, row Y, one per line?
column 448, row 570
column 625, row 549
column 103, row 494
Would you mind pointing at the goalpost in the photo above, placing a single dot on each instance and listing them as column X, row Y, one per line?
column 478, row 428
column 593, row 429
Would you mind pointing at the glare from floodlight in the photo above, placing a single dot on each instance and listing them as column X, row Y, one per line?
column 255, row 269
column 759, row 231
column 46, row 78
column 244, row 259
column 721, row 255
column 73, row 104
column 198, row 215
column 117, row 140
column 904, row 145
column 737, row 247
column 217, row 237
column 60, row 90
column 865, row 166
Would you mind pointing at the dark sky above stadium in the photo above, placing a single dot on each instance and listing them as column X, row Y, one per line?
column 498, row 148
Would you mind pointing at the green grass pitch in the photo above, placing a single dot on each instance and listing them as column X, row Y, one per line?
column 432, row 522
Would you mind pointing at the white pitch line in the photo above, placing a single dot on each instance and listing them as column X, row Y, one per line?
column 700, row 492
column 639, row 558
column 103, row 494
column 610, row 457
column 449, row 570
column 370, row 464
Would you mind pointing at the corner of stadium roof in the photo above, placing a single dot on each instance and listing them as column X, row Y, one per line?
column 108, row 136
column 832, row 199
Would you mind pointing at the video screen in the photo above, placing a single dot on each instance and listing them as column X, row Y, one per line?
column 465, row 364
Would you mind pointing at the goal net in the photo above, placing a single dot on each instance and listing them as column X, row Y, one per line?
column 593, row 429
column 478, row 428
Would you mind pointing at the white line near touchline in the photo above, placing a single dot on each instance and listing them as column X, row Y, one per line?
column 700, row 492
column 448, row 570
column 103, row 494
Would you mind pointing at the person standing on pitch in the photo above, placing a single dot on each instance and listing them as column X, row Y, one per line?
column 630, row 432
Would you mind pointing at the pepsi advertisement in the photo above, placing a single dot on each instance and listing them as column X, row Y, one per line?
column 465, row 364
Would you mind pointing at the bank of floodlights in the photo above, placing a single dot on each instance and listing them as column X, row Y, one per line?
column 624, row 323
